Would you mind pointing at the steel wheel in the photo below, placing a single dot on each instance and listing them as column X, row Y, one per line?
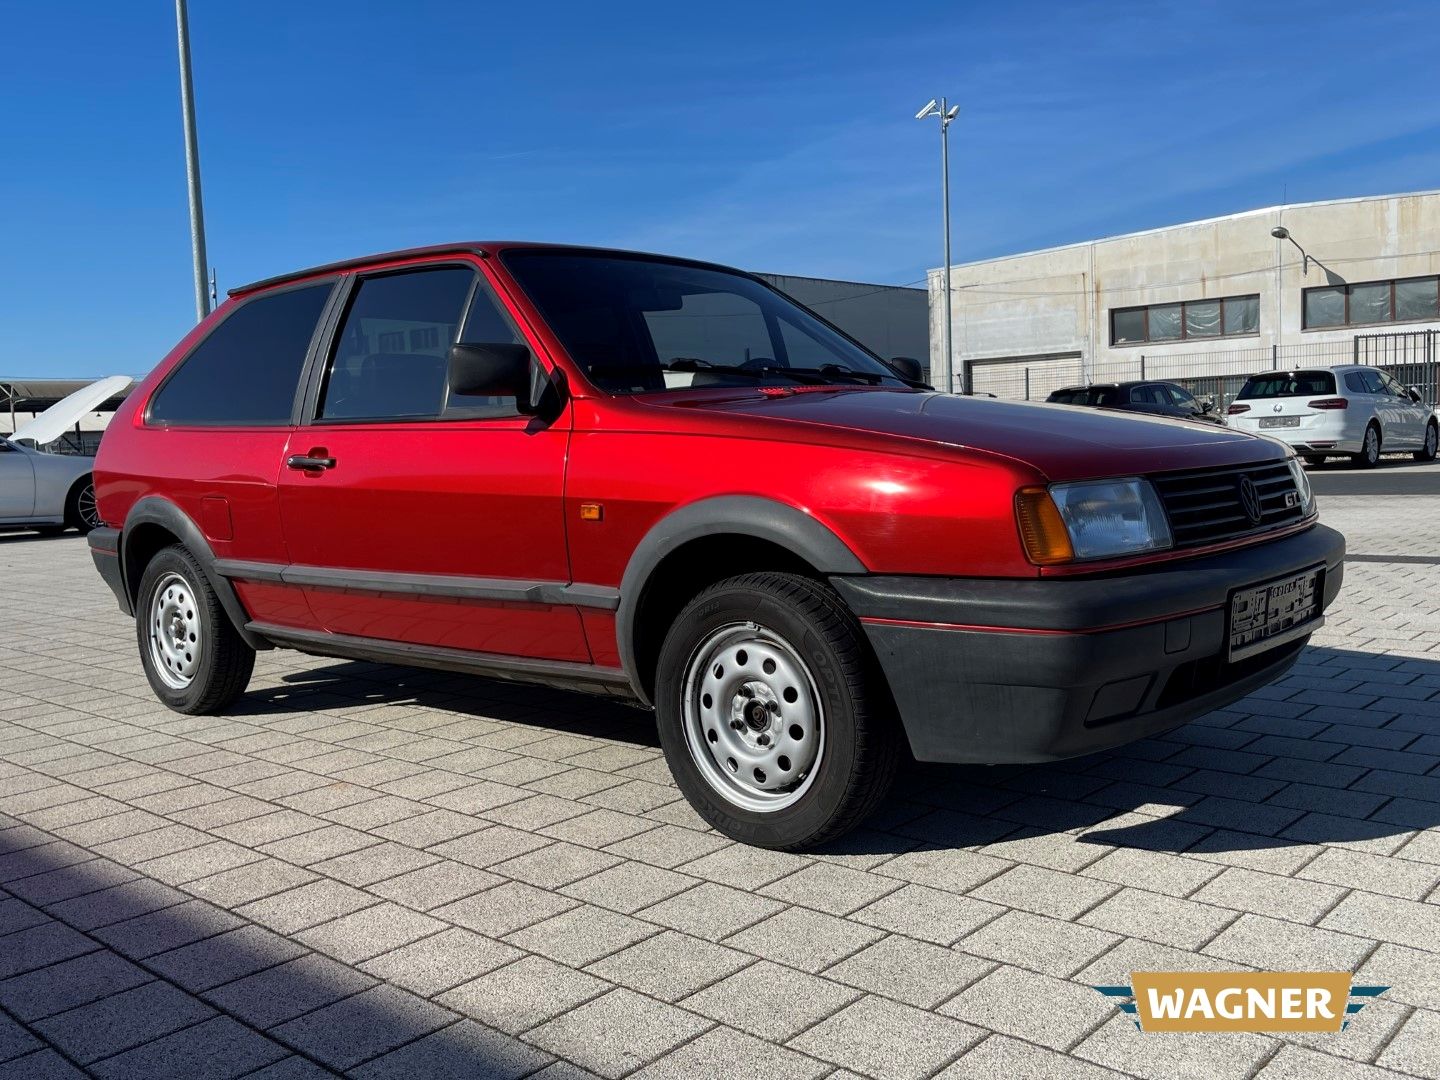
column 752, row 717
column 174, row 631
column 86, row 509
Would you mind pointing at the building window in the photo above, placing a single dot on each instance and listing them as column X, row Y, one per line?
column 1232, row 316
column 1372, row 303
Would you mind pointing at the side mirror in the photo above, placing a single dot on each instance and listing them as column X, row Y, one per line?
column 1415, row 394
column 907, row 367
column 499, row 369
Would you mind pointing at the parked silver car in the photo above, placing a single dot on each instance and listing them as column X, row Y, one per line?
column 51, row 492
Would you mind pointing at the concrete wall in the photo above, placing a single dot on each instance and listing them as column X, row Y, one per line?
column 1049, row 310
column 890, row 319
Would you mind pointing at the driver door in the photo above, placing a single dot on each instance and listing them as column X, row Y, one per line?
column 17, row 483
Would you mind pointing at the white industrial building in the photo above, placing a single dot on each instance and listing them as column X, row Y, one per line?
column 1204, row 302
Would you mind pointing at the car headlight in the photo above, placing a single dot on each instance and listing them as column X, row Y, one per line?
column 1096, row 519
column 1302, row 485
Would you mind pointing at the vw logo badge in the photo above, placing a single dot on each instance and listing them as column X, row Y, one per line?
column 1250, row 500
column 1277, row 408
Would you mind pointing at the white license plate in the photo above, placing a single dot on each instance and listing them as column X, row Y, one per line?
column 1264, row 616
column 1279, row 421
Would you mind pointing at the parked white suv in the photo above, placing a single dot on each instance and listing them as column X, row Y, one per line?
column 1361, row 412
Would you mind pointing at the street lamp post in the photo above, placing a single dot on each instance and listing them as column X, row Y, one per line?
column 946, row 112
column 192, row 163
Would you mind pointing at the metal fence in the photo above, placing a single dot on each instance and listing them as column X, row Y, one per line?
column 1412, row 357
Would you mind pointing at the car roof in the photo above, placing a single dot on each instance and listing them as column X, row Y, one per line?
column 482, row 248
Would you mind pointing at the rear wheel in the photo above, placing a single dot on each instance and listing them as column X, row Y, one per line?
column 1432, row 442
column 81, row 513
column 1369, row 455
column 773, row 717
column 193, row 657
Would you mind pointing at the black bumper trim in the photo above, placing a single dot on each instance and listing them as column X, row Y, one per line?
column 968, row 692
column 105, row 552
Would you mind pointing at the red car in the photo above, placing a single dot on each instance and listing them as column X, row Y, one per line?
column 664, row 480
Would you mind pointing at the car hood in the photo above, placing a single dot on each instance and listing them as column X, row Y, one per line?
column 1061, row 441
column 57, row 419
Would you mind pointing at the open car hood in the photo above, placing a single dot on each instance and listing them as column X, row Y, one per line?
column 60, row 417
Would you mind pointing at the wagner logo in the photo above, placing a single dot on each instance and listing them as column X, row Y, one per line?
column 1242, row 1000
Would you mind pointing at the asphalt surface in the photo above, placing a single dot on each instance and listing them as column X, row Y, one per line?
column 1393, row 476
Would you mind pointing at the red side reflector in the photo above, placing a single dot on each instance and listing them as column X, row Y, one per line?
column 1236, row 410
column 1329, row 403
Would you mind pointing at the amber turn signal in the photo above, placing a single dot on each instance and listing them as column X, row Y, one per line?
column 1042, row 531
column 592, row 512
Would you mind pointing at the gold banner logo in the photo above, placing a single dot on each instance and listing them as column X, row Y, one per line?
column 1242, row 1000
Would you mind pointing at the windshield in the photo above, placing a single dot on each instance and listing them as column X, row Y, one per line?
column 1275, row 384
column 636, row 325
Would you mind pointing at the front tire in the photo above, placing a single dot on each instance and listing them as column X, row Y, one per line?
column 193, row 657
column 1432, row 443
column 1369, row 455
column 81, row 512
column 773, row 716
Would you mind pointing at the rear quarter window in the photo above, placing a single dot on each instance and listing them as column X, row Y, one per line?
column 1288, row 384
column 245, row 372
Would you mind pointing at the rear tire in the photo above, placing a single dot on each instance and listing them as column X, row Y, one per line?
column 193, row 657
column 1432, row 443
column 773, row 715
column 1369, row 455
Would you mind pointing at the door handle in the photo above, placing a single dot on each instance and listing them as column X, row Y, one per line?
column 307, row 461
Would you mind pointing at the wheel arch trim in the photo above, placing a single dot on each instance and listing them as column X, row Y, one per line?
column 779, row 523
column 157, row 510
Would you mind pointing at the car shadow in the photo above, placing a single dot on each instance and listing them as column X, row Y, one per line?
column 19, row 535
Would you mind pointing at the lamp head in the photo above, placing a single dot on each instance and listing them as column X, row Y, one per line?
column 1280, row 232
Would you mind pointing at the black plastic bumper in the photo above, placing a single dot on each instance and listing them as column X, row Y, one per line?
column 105, row 551
column 984, row 670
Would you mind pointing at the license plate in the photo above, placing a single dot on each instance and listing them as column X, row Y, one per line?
column 1279, row 421
column 1263, row 616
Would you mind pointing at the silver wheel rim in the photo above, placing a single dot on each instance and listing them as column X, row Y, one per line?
column 175, row 637
column 86, row 508
column 1372, row 444
column 753, row 720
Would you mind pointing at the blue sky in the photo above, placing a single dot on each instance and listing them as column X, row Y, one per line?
column 775, row 136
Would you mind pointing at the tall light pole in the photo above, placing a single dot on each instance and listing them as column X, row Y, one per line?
column 192, row 163
column 946, row 112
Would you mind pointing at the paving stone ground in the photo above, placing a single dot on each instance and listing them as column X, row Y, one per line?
column 386, row 873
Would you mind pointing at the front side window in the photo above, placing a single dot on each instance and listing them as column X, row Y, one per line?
column 635, row 325
column 246, row 370
column 390, row 355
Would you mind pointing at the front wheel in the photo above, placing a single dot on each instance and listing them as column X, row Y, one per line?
column 195, row 660
column 1369, row 455
column 773, row 716
column 1432, row 440
column 81, row 512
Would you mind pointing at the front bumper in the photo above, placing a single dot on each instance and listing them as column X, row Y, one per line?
column 992, row 671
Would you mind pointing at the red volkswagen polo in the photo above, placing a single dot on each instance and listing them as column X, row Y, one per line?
column 662, row 479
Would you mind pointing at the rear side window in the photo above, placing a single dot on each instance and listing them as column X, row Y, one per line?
column 246, row 371
column 1288, row 384
column 391, row 353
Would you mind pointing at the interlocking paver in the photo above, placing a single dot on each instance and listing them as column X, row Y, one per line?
column 805, row 939
column 289, row 990
column 614, row 1034
column 219, row 1048
column 441, row 961
column 911, row 971
column 463, row 1051
column 670, row 965
column 518, row 996
column 124, row 1020
column 364, row 1026
column 882, row 1038
column 1036, row 1008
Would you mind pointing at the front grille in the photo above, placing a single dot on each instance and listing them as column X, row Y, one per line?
column 1205, row 505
